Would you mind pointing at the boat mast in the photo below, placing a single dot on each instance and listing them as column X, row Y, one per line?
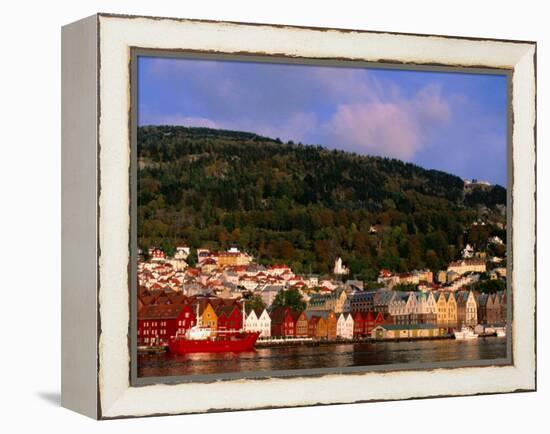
column 244, row 318
column 198, row 318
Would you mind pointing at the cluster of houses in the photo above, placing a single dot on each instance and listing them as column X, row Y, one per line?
column 366, row 314
column 172, row 295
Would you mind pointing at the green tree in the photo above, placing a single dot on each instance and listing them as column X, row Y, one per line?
column 256, row 303
column 289, row 298
column 406, row 287
column 192, row 258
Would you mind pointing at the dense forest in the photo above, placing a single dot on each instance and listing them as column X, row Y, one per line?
column 303, row 205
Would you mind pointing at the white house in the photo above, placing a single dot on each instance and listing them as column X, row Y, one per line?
column 426, row 304
column 344, row 326
column 264, row 324
column 251, row 321
column 403, row 303
column 182, row 252
column 261, row 323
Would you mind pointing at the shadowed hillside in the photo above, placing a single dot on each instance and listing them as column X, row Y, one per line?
column 303, row 205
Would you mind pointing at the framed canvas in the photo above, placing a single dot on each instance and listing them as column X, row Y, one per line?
column 261, row 216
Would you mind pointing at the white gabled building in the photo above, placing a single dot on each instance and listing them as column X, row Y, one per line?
column 251, row 323
column 426, row 304
column 402, row 303
column 264, row 324
column 344, row 326
column 261, row 322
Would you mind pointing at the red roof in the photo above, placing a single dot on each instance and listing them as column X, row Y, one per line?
column 164, row 311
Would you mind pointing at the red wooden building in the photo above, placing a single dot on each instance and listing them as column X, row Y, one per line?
column 282, row 322
column 359, row 321
column 313, row 322
column 369, row 322
column 229, row 318
column 157, row 323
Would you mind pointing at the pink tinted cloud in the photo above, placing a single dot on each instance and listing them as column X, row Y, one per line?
column 397, row 127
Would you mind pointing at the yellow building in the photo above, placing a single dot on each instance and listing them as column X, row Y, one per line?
column 321, row 331
column 441, row 309
column 446, row 309
column 468, row 266
column 209, row 317
column 451, row 309
column 233, row 258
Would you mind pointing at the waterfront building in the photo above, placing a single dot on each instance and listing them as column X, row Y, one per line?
column 282, row 322
column 157, row 323
column 229, row 318
column 404, row 331
column 300, row 324
column 503, row 307
column 446, row 309
column 317, row 327
column 358, row 323
column 258, row 321
column 497, row 308
column 344, row 326
column 466, row 309
column 452, row 310
column 208, row 315
column 361, row 301
column 373, row 319
column 482, row 300
column 334, row 301
column 322, row 324
column 382, row 299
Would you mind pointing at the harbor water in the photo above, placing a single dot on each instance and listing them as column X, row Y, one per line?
column 322, row 356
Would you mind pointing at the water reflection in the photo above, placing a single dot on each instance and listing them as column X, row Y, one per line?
column 322, row 356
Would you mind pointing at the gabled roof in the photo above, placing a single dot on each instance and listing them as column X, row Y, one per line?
column 279, row 314
column 482, row 299
column 160, row 312
column 226, row 310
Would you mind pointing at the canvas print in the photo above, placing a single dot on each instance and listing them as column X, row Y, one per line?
column 300, row 217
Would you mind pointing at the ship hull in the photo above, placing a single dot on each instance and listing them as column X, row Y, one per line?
column 231, row 344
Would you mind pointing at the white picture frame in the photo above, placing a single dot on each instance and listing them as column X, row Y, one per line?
column 96, row 85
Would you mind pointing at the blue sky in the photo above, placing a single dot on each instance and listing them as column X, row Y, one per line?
column 453, row 122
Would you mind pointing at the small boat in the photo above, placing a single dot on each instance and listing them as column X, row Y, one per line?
column 501, row 332
column 465, row 333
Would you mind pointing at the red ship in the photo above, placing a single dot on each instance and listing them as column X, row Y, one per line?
column 200, row 339
column 220, row 343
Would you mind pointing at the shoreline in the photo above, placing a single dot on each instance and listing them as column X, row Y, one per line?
column 316, row 343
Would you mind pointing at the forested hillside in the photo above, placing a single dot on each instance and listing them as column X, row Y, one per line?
column 302, row 205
